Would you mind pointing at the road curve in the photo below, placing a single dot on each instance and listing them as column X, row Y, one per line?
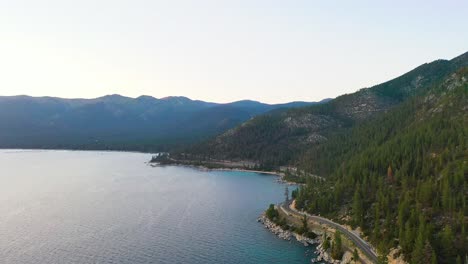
column 358, row 241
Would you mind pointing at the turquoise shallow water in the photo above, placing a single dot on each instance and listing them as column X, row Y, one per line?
column 112, row 207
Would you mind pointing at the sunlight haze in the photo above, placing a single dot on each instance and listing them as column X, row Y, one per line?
column 220, row 51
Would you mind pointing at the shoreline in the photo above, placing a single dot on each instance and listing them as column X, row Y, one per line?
column 77, row 150
column 321, row 255
column 278, row 174
column 321, row 228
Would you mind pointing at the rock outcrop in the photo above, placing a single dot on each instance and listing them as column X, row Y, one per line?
column 274, row 228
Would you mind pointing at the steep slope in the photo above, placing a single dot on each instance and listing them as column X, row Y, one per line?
column 117, row 122
column 278, row 138
column 402, row 177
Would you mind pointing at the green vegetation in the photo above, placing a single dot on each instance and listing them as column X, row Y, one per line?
column 271, row 212
column 117, row 122
column 382, row 260
column 394, row 157
column 337, row 246
column 355, row 255
column 304, row 229
column 282, row 136
column 402, row 176
column 326, row 242
column 161, row 158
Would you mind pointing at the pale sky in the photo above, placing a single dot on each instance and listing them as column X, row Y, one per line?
column 220, row 51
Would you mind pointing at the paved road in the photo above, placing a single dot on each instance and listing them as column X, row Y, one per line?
column 358, row 241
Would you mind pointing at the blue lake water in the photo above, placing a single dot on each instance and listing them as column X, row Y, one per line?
column 112, row 207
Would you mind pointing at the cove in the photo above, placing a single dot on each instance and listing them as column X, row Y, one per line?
column 112, row 207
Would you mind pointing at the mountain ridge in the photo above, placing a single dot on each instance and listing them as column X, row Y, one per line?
column 118, row 122
column 277, row 138
column 392, row 161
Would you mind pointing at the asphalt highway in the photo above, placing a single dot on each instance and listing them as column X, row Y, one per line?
column 358, row 241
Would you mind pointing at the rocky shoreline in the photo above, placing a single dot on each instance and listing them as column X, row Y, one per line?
column 281, row 180
column 322, row 255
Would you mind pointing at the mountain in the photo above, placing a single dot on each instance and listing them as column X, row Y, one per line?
column 401, row 177
column 118, row 122
column 393, row 160
column 280, row 137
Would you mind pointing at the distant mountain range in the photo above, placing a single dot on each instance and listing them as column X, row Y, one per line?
column 119, row 123
column 393, row 156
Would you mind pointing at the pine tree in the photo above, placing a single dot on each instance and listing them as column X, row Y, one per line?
column 355, row 255
column 433, row 257
column 305, row 227
column 447, row 244
column 446, row 195
column 357, row 208
column 337, row 247
column 376, row 231
column 407, row 242
column 418, row 253
column 271, row 212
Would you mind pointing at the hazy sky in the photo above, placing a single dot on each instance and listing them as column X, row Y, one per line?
column 272, row 51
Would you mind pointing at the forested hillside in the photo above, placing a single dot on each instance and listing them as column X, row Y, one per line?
column 394, row 156
column 403, row 177
column 280, row 137
column 118, row 122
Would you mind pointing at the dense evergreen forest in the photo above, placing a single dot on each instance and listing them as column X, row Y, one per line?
column 403, row 177
column 394, row 157
column 281, row 137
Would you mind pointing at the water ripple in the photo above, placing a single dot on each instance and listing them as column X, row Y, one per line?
column 84, row 207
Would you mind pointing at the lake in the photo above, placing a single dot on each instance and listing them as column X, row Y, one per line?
column 112, row 207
